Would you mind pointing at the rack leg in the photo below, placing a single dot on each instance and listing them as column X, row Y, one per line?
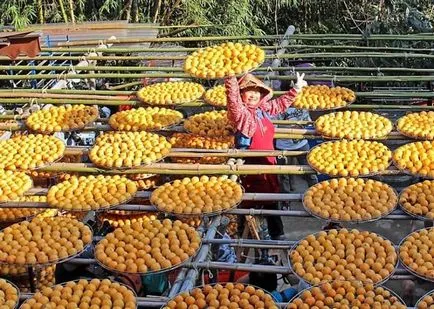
column 32, row 278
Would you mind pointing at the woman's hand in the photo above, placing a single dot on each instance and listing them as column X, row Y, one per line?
column 300, row 82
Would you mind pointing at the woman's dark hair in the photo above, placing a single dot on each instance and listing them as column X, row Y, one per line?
column 265, row 281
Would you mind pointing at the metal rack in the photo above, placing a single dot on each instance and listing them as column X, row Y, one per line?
column 188, row 274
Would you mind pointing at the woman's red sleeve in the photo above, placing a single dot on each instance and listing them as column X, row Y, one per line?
column 238, row 114
column 280, row 104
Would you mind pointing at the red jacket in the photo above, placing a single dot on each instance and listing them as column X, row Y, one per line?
column 244, row 119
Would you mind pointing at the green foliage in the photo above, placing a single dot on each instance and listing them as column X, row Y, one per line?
column 17, row 13
column 235, row 17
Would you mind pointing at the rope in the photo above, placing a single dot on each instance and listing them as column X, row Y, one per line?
column 61, row 76
column 380, row 73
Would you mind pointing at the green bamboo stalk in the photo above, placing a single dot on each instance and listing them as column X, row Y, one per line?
column 180, row 69
column 118, row 50
column 367, row 94
column 108, row 26
column 282, row 56
column 40, row 9
column 53, row 96
column 334, row 78
column 315, row 37
column 72, row 91
column 71, row 10
column 125, row 86
column 358, row 37
column 351, row 55
column 132, row 102
column 171, row 39
column 91, row 68
column 62, row 9
column 67, row 101
column 179, row 169
column 347, row 47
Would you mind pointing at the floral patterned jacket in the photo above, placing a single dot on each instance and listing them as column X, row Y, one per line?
column 245, row 119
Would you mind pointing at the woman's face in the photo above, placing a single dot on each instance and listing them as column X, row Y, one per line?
column 251, row 97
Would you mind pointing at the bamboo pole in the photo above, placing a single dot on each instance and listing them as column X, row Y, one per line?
column 68, row 101
column 180, row 69
column 55, row 96
column 354, row 47
column 132, row 102
column 284, row 133
column 107, row 26
column 395, row 215
column 125, row 86
column 282, row 56
column 316, row 37
column 367, row 94
column 192, row 49
column 194, row 169
column 171, row 39
column 334, row 78
column 118, row 50
column 71, row 91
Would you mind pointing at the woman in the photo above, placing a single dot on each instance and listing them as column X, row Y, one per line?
column 250, row 106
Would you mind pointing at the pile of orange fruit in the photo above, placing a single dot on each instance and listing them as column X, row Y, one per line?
column 33, row 198
column 350, row 158
column 426, row 301
column 145, row 181
column 230, row 295
column 43, row 240
column 416, row 158
column 16, row 214
column 418, row 199
column 197, row 196
column 31, row 151
column 46, row 277
column 128, row 149
column 169, row 93
column 62, row 118
column 91, row 193
column 350, row 199
column 13, row 185
column 83, row 293
column 226, row 59
column 148, row 246
column 9, row 295
column 188, row 140
column 12, row 270
column 194, row 221
column 417, row 125
column 415, row 253
column 214, row 123
column 321, row 97
column 353, row 125
column 346, row 294
column 344, row 255
column 43, row 277
column 145, row 119
column 120, row 218
column 216, row 96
